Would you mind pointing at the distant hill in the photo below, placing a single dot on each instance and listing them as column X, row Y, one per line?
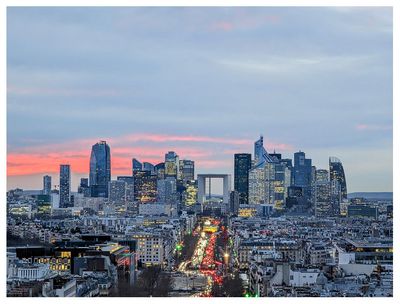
column 372, row 195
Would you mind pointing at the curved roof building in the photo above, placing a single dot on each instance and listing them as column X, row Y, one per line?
column 336, row 172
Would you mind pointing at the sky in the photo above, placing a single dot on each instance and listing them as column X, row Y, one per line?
column 203, row 82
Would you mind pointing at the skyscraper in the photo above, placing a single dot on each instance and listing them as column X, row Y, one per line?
column 136, row 165
column 166, row 190
column 159, row 170
column 145, row 187
column 242, row 167
column 148, row 167
column 65, row 186
column 260, row 154
column 46, row 185
column 189, row 195
column 336, row 172
column 303, row 173
column 281, row 183
column 289, row 165
column 261, row 176
column 322, row 199
column 117, row 195
column 186, row 169
column 100, row 169
column 234, row 201
column 130, row 187
column 171, row 164
column 84, row 187
column 321, row 175
column 338, row 186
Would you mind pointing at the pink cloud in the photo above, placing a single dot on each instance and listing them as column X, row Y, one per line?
column 223, row 26
column 244, row 21
column 368, row 127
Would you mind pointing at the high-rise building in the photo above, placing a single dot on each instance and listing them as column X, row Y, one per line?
column 234, row 202
column 65, row 186
column 261, row 176
column 313, row 174
column 289, row 165
column 277, row 156
column 117, row 195
column 338, row 186
column 136, row 165
column 322, row 199
column 148, row 167
column 336, row 172
column 166, row 190
column 189, row 195
column 84, row 187
column 281, row 184
column 242, row 167
column 159, row 170
column 186, row 169
column 322, row 193
column 129, row 187
column 100, row 169
column 303, row 173
column 260, row 154
column 145, row 187
column 171, row 164
column 84, row 182
column 46, row 185
column 269, row 178
column 321, row 175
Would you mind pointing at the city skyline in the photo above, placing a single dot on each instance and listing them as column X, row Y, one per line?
column 217, row 185
column 337, row 71
column 200, row 152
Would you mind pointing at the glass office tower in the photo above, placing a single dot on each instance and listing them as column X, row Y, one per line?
column 100, row 169
column 65, row 186
column 242, row 167
column 336, row 172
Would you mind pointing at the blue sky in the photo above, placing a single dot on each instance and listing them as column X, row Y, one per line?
column 205, row 82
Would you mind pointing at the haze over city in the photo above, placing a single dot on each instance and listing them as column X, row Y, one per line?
column 203, row 82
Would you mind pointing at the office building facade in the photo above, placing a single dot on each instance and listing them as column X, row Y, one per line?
column 186, row 170
column 242, row 166
column 46, row 185
column 100, row 169
column 65, row 186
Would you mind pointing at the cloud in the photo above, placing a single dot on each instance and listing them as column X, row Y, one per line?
column 371, row 127
column 223, row 26
column 185, row 138
column 242, row 20
column 38, row 91
column 46, row 158
column 149, row 80
column 292, row 66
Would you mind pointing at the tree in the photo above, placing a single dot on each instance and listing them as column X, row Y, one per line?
column 231, row 287
column 163, row 285
column 148, row 279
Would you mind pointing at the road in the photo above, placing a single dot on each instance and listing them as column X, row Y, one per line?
column 203, row 262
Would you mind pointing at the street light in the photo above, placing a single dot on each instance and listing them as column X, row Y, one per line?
column 226, row 258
